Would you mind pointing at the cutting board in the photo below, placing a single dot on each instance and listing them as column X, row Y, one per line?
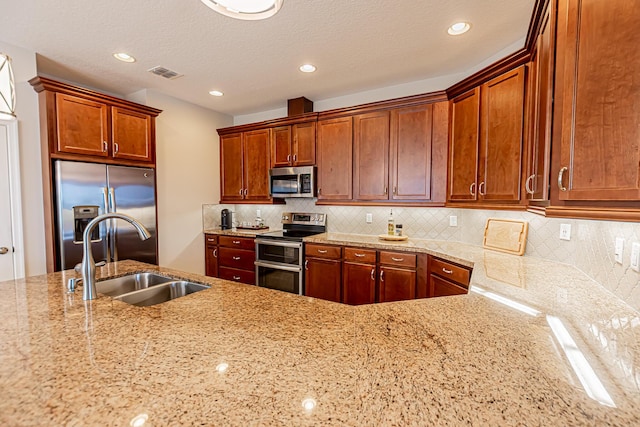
column 506, row 235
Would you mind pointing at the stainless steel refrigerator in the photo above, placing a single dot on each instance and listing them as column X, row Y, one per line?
column 86, row 190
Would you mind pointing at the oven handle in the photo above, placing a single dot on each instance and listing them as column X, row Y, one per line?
column 279, row 243
column 277, row 266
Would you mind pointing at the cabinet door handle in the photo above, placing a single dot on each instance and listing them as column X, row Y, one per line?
column 395, row 190
column 236, row 277
column 245, row 192
column 527, row 185
column 236, row 258
column 306, row 264
column 472, row 189
column 215, row 253
column 105, row 146
column 397, row 259
column 373, row 274
column 295, row 157
column 560, row 176
column 385, row 190
column 322, row 251
column 382, row 275
column 319, row 191
column 240, row 192
column 359, row 255
column 447, row 271
column 116, row 148
column 288, row 157
column 235, row 242
column 482, row 185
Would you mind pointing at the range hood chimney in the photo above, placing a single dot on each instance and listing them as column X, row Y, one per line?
column 297, row 106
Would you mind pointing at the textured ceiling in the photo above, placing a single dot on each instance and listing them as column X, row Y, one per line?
column 357, row 45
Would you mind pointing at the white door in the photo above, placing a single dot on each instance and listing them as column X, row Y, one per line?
column 6, row 235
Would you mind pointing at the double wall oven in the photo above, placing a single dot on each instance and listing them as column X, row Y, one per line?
column 279, row 254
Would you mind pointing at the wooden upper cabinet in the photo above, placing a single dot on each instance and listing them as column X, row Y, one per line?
column 464, row 145
column 501, row 137
column 411, row 153
column 231, row 167
column 371, row 156
column 82, row 126
column 293, row 145
column 132, row 135
column 600, row 119
column 256, row 164
column 335, row 154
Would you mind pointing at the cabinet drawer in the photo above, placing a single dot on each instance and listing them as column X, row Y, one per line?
column 242, row 276
column 453, row 272
column 323, row 251
column 210, row 239
column 237, row 258
column 237, row 242
column 367, row 256
column 439, row 287
column 399, row 259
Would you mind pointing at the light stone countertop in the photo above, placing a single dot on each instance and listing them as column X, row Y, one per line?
column 236, row 232
column 486, row 358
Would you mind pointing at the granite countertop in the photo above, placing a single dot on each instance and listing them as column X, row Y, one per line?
column 236, row 232
column 241, row 355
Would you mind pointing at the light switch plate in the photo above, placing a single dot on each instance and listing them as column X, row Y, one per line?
column 453, row 221
column 619, row 249
column 565, row 231
column 635, row 256
column 369, row 218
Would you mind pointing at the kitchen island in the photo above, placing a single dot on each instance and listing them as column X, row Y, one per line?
column 508, row 353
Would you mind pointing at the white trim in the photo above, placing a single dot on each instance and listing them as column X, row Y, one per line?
column 16, row 196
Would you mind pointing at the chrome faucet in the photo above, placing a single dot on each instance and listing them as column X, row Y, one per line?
column 88, row 265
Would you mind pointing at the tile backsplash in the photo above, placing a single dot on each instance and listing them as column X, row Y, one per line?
column 591, row 248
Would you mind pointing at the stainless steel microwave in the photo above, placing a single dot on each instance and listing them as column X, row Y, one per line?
column 293, row 182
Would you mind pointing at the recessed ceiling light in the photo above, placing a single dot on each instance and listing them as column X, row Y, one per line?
column 216, row 93
column 250, row 10
column 307, row 68
column 124, row 57
column 459, row 28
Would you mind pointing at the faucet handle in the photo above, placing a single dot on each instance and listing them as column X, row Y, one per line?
column 78, row 266
column 71, row 284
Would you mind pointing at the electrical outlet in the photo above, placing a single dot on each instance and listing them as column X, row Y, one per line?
column 565, row 231
column 619, row 249
column 635, row 256
column 369, row 218
column 453, row 221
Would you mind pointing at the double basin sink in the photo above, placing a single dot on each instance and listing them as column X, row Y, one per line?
column 145, row 289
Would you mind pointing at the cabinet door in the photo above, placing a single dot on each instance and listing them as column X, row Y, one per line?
column 304, row 144
column 281, row 147
column 371, row 156
column 439, row 287
column 131, row 135
column 502, row 127
column 256, row 164
column 463, row 146
column 211, row 261
column 335, row 159
column 359, row 283
column 411, row 153
column 323, row 279
column 396, row 284
column 231, row 185
column 541, row 78
column 600, row 146
column 82, row 126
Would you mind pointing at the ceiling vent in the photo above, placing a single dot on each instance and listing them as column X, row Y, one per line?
column 165, row 72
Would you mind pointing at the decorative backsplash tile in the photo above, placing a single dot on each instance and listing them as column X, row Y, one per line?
column 590, row 248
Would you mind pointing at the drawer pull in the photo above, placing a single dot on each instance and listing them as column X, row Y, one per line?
column 397, row 259
column 235, row 242
column 236, row 277
column 359, row 255
column 236, row 258
column 211, row 240
column 373, row 272
column 322, row 251
column 447, row 271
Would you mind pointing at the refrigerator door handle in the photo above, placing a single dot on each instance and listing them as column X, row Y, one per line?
column 113, row 247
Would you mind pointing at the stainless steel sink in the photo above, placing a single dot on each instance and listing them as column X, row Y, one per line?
column 161, row 293
column 133, row 282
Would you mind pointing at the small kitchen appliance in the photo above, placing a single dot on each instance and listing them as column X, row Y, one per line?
column 226, row 218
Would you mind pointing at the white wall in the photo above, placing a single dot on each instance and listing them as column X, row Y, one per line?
column 24, row 68
column 187, row 173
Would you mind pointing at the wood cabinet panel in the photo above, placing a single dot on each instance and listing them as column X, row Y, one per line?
column 439, row 287
column 281, row 146
column 335, row 154
column 371, row 156
column 237, row 242
column 237, row 275
column 211, row 261
column 131, row 135
column 323, row 251
column 231, row 167
column 256, row 164
column 82, row 126
column 360, row 255
column 464, row 146
column 396, row 284
column 600, row 118
column 304, row 144
column 501, row 137
column 411, row 153
column 236, row 258
column 398, row 259
column 323, row 279
column 359, row 283
column 210, row 240
column 450, row 271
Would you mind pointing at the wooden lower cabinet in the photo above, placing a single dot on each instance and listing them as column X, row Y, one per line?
column 439, row 287
column 396, row 284
column 447, row 278
column 359, row 274
column 211, row 255
column 230, row 258
column 323, row 279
